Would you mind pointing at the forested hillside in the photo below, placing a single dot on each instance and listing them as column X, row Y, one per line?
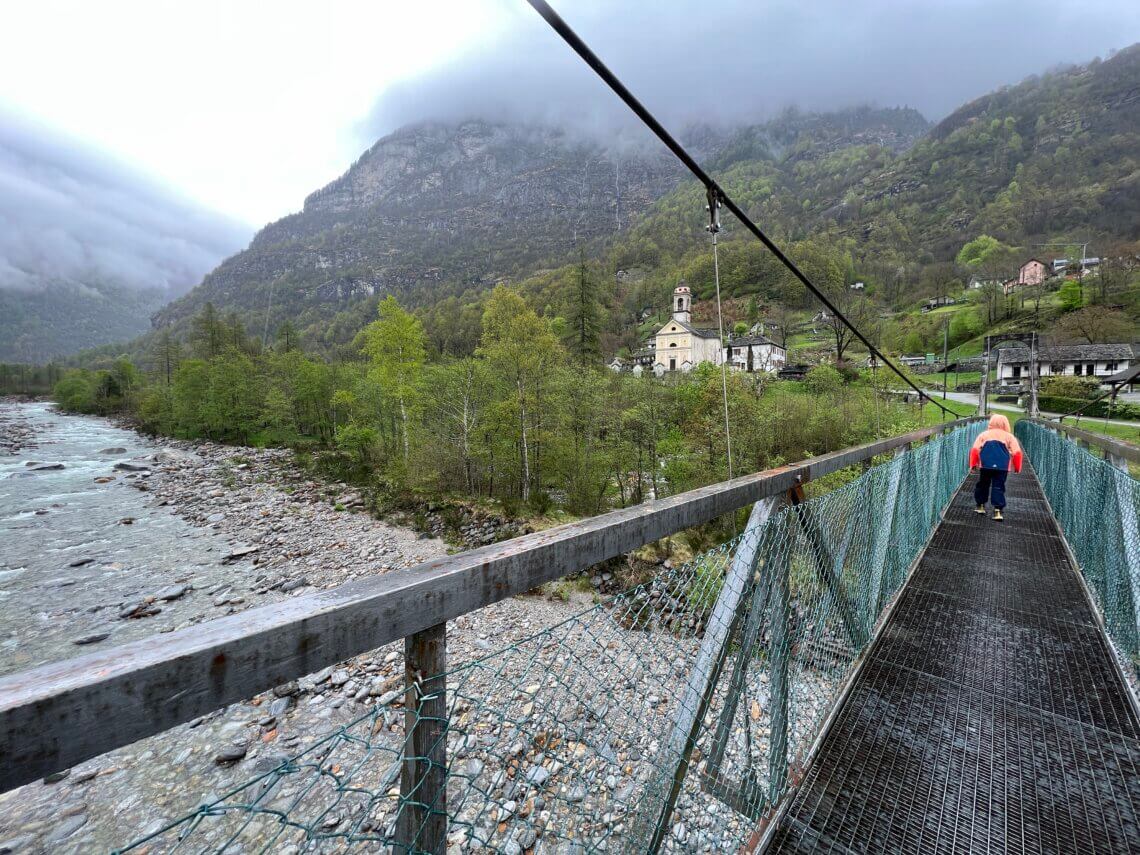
column 435, row 210
column 436, row 214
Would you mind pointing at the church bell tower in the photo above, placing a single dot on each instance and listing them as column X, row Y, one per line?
column 683, row 304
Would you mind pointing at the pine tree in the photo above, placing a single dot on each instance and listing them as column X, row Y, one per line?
column 585, row 316
column 208, row 333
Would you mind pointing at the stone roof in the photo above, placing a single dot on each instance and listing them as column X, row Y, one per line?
column 1128, row 375
column 747, row 340
column 1067, row 352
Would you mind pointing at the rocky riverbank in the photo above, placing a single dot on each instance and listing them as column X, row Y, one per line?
column 562, row 729
column 263, row 531
column 16, row 431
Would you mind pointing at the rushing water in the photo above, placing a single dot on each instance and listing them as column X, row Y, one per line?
column 53, row 520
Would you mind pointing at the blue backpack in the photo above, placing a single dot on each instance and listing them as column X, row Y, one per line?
column 995, row 455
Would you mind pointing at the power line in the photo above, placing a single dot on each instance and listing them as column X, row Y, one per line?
column 715, row 192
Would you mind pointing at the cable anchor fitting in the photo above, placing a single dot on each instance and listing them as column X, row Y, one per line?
column 713, row 207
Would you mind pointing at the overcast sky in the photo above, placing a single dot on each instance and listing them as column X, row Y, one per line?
column 246, row 107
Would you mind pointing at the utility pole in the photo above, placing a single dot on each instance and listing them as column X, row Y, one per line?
column 945, row 346
column 983, row 408
column 1034, row 369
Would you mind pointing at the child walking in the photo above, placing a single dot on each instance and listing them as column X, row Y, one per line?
column 996, row 453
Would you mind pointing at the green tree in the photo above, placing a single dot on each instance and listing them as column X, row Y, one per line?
column 287, row 337
column 397, row 347
column 520, row 348
column 977, row 252
column 208, row 333
column 1071, row 296
column 585, row 316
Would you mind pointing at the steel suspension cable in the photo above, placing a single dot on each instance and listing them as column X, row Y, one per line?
column 591, row 59
column 714, row 227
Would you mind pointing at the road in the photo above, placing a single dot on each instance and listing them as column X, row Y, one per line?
column 972, row 398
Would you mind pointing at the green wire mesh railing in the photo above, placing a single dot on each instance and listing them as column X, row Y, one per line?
column 670, row 717
column 1097, row 506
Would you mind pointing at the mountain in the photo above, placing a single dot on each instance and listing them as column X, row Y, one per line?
column 88, row 247
column 437, row 208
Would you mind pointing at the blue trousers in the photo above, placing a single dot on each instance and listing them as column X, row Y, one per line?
column 991, row 486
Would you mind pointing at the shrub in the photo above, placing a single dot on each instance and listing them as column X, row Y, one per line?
column 1056, row 404
column 823, row 380
column 1080, row 388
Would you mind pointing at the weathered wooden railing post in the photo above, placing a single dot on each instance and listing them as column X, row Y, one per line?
column 422, row 822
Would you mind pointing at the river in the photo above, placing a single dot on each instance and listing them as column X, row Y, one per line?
column 71, row 561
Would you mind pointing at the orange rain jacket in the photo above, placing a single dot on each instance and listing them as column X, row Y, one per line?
column 996, row 448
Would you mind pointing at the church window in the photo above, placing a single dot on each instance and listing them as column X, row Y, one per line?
column 672, row 344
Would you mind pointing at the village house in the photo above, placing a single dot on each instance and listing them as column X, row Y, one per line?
column 1033, row 272
column 755, row 352
column 1073, row 360
column 679, row 345
column 976, row 282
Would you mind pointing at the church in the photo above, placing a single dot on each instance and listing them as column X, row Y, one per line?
column 680, row 345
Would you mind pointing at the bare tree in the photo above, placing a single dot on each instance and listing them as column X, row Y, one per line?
column 1095, row 324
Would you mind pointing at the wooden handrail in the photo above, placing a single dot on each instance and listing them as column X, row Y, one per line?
column 1111, row 447
column 62, row 713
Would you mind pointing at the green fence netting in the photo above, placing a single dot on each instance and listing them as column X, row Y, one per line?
column 671, row 716
column 1097, row 506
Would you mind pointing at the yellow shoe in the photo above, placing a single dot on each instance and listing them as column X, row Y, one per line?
column 997, row 515
column 980, row 509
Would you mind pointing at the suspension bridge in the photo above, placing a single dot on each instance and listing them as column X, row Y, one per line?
column 867, row 668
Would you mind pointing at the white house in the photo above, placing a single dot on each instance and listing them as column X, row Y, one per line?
column 755, row 353
column 1073, row 360
column 681, row 346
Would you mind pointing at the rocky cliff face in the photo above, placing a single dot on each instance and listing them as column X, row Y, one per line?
column 436, row 208
column 433, row 206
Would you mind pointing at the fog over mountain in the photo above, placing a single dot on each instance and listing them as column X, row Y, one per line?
column 69, row 215
column 740, row 61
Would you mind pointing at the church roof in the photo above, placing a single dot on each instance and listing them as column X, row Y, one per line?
column 697, row 331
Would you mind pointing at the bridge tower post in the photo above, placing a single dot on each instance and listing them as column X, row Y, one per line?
column 983, row 405
column 1034, row 378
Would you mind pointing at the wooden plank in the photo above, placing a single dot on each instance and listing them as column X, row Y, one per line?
column 422, row 822
column 673, row 761
column 60, row 714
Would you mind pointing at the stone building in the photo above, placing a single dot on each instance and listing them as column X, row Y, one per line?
column 1070, row 360
column 755, row 352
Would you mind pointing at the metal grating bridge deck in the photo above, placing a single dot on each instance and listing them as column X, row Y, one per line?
column 988, row 717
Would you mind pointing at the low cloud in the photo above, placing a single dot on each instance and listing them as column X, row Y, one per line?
column 70, row 216
column 742, row 60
